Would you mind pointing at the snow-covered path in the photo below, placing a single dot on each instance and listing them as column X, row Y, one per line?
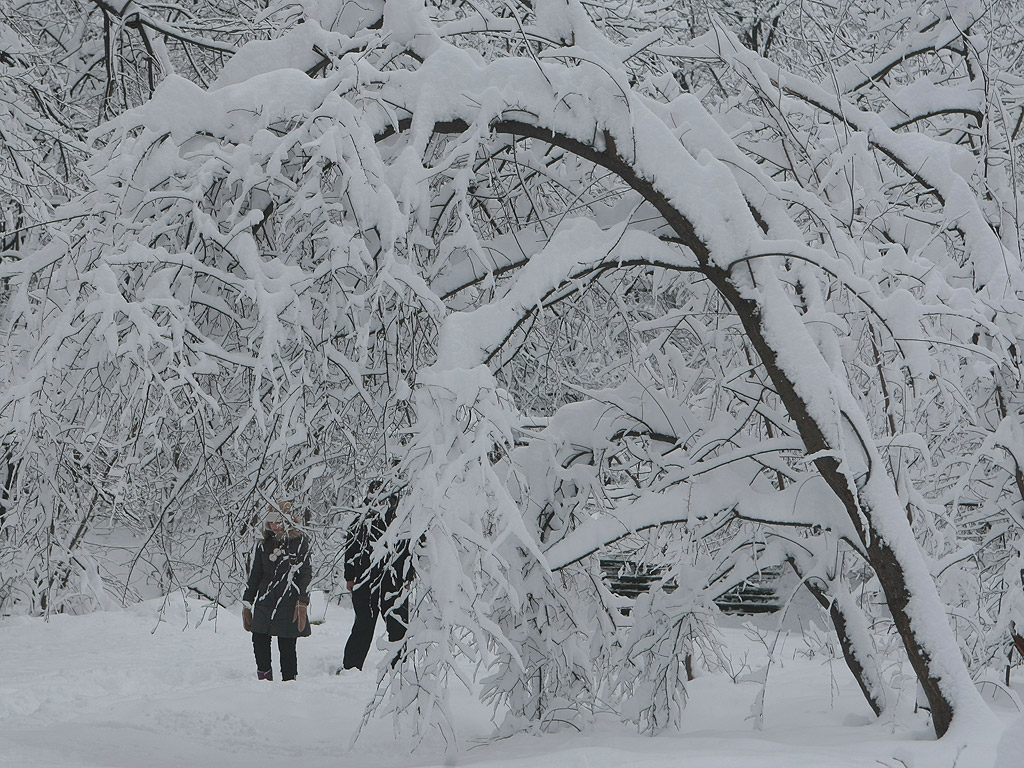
column 106, row 690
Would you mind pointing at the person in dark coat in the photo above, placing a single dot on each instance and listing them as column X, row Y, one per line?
column 378, row 588
column 276, row 597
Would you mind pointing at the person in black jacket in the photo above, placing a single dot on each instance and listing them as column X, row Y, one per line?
column 378, row 586
column 276, row 597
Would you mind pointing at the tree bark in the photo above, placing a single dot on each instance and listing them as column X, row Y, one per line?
column 895, row 569
column 858, row 658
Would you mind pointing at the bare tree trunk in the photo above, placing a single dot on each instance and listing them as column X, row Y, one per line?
column 911, row 596
column 857, row 651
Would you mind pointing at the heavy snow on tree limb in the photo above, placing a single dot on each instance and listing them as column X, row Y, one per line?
column 835, row 436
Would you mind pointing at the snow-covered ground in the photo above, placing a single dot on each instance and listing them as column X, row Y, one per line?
column 146, row 687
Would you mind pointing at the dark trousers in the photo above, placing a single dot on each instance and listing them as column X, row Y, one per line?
column 369, row 603
column 285, row 649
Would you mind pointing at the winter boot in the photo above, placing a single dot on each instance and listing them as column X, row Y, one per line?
column 268, row 675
